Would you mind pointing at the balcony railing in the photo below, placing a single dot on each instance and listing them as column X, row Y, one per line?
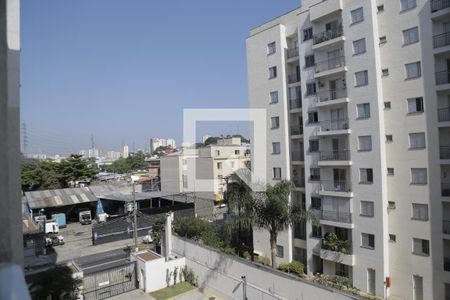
column 444, row 114
column 445, row 189
column 441, row 40
column 335, row 186
column 298, row 182
column 333, row 125
column 327, row 95
column 446, row 226
column 293, row 78
column 295, row 103
column 298, row 155
column 445, row 152
column 335, row 216
column 292, row 52
column 439, row 4
column 335, row 155
column 328, row 35
column 442, row 77
column 330, row 64
column 296, row 130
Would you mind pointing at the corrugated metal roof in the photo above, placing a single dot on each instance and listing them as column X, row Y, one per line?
column 29, row 226
column 101, row 191
column 61, row 197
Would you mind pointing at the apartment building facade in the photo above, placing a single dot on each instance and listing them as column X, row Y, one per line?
column 357, row 93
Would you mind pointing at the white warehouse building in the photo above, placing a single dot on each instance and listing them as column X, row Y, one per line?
column 357, row 94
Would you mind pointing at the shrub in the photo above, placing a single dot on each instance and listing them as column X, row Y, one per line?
column 295, row 267
column 263, row 260
column 333, row 243
column 189, row 276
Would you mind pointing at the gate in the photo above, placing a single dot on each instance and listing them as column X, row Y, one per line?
column 110, row 282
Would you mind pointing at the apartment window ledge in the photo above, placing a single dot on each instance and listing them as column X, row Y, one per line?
column 361, row 85
column 360, row 53
column 418, row 183
column 270, row 54
column 420, row 254
column 412, row 43
column 314, row 179
column 276, row 178
column 417, row 219
column 366, row 216
column 272, row 77
column 365, row 182
column 272, row 128
column 414, row 113
column 356, row 22
column 363, row 150
column 270, row 103
column 412, row 78
column 417, row 148
column 363, row 118
column 275, row 153
column 408, row 9
column 368, row 247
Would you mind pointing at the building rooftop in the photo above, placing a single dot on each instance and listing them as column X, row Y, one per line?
column 148, row 256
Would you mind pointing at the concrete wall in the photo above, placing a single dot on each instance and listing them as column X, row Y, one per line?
column 222, row 272
column 11, row 248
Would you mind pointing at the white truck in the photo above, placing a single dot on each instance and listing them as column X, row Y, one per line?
column 51, row 226
column 85, row 217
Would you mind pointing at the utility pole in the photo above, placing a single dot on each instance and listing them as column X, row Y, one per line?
column 244, row 287
column 135, row 235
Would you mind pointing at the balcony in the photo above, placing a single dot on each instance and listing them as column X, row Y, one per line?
column 441, row 40
column 444, row 114
column 292, row 52
column 324, row 68
column 293, row 78
column 335, row 188
column 444, row 152
column 337, row 250
column 437, row 5
column 442, row 77
column 446, row 226
column 298, row 182
column 323, row 9
column 445, row 189
column 296, row 130
column 297, row 155
column 329, row 97
column 335, row 216
column 333, row 127
column 328, row 38
column 295, row 103
column 334, row 155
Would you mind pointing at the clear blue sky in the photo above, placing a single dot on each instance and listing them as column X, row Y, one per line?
column 124, row 70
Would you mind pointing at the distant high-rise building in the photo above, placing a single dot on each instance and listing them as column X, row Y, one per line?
column 125, row 151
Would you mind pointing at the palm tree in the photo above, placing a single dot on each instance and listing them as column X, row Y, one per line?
column 241, row 206
column 274, row 213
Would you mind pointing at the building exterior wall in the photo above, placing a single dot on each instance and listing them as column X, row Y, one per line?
column 392, row 191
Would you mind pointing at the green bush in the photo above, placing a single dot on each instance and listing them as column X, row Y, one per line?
column 283, row 267
column 295, row 267
column 333, row 243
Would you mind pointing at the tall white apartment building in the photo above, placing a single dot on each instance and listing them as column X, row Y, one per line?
column 157, row 142
column 357, row 93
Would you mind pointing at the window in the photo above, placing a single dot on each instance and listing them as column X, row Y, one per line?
column 219, row 165
column 407, row 4
column 310, row 88
column 313, row 117
column 275, row 122
column 272, row 72
column 271, row 48
column 237, row 152
column 309, row 61
column 342, row 270
column 365, row 143
column 383, row 40
column 314, row 174
column 357, row 15
column 389, row 138
column 361, row 78
column 359, row 46
column 421, row 247
column 390, row 171
column 363, row 110
column 316, row 203
column 391, row 204
column 307, row 34
column 418, row 176
column 316, row 231
column 273, row 97
column 367, row 209
column 313, row 145
column 387, row 105
column 276, row 148
column 365, row 176
column 410, row 36
column 415, row 105
column 185, row 182
column 380, row 8
column 217, row 152
column 277, row 173
column 392, row 238
column 417, row 140
column 367, row 240
column 385, row 72
column 420, row 211
column 280, row 251
column 413, row 70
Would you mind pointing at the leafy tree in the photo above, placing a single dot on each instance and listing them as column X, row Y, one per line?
column 211, row 140
column 75, row 168
column 127, row 165
column 56, row 283
column 241, row 207
column 161, row 150
column 274, row 213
